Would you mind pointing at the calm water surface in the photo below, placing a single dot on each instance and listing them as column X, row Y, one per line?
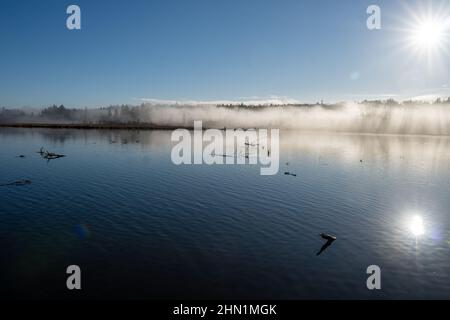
column 141, row 227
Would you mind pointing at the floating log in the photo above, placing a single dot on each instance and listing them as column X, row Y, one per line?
column 330, row 239
column 49, row 155
column 21, row 182
column 327, row 237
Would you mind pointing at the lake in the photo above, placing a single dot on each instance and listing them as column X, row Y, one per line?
column 141, row 227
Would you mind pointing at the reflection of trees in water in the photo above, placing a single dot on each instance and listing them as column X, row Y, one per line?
column 53, row 136
column 402, row 151
column 144, row 138
column 59, row 137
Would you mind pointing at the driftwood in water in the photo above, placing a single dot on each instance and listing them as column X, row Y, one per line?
column 213, row 154
column 330, row 239
column 17, row 183
column 49, row 155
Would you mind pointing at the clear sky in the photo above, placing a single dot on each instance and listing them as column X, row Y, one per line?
column 131, row 50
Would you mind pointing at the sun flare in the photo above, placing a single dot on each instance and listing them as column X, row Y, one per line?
column 425, row 35
column 429, row 34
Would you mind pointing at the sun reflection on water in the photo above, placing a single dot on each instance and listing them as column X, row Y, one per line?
column 416, row 226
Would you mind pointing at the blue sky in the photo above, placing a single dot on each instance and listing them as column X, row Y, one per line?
column 131, row 50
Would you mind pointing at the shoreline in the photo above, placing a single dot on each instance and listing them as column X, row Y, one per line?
column 91, row 126
column 149, row 127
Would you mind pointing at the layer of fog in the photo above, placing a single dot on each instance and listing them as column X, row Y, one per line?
column 421, row 118
column 350, row 117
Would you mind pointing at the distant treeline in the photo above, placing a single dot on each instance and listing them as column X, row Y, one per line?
column 142, row 114
column 54, row 113
column 388, row 102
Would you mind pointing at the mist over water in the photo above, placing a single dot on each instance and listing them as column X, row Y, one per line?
column 382, row 118
column 350, row 117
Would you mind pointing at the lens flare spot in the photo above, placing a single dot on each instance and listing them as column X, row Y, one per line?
column 82, row 231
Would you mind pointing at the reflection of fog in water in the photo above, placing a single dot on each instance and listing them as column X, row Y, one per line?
column 426, row 152
column 396, row 151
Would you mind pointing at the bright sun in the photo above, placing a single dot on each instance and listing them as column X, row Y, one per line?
column 429, row 34
column 426, row 34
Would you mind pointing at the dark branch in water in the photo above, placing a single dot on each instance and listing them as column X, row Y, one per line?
column 49, row 155
column 330, row 239
column 22, row 182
